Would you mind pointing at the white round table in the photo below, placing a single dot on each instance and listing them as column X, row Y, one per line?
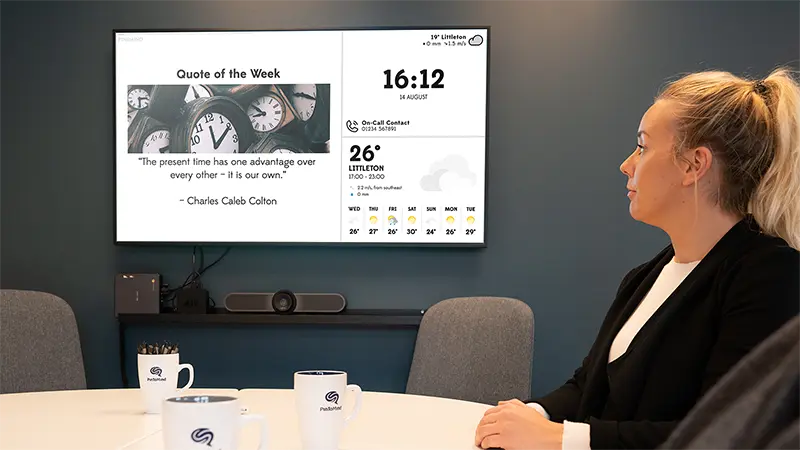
column 114, row 419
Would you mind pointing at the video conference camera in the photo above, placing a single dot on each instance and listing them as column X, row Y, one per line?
column 284, row 301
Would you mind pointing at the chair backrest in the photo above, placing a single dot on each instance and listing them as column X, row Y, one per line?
column 754, row 405
column 476, row 349
column 40, row 348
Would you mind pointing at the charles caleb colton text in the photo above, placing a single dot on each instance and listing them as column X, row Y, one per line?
column 231, row 201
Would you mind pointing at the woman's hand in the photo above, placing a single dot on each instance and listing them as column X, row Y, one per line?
column 512, row 425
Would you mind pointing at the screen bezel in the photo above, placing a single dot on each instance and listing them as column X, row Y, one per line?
column 482, row 244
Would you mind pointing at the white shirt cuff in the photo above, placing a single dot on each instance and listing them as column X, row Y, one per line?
column 539, row 408
column 576, row 436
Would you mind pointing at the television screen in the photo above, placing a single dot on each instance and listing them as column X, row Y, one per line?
column 362, row 136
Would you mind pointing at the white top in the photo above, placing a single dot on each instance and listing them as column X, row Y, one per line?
column 672, row 275
column 114, row 419
column 577, row 435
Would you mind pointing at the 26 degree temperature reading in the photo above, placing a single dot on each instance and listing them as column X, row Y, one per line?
column 367, row 153
column 402, row 81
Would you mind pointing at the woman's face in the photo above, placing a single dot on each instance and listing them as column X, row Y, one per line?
column 655, row 181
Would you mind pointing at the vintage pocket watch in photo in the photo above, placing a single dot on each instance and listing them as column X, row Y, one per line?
column 265, row 104
column 212, row 125
column 148, row 135
column 166, row 100
column 267, row 112
column 139, row 96
column 195, row 91
column 311, row 104
column 279, row 143
column 303, row 98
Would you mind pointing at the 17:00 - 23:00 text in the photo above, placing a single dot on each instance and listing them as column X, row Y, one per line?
column 370, row 176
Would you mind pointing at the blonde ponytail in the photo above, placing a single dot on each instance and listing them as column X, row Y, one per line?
column 753, row 129
column 776, row 203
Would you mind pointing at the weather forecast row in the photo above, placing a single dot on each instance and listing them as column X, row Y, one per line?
column 457, row 223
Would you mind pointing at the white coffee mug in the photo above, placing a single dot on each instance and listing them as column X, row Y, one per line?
column 158, row 379
column 211, row 422
column 319, row 399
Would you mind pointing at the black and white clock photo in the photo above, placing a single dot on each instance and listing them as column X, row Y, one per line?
column 244, row 118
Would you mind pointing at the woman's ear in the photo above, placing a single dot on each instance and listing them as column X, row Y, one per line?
column 695, row 164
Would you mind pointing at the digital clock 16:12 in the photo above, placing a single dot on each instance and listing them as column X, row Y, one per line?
column 401, row 80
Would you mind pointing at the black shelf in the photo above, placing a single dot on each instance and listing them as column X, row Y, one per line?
column 391, row 318
column 367, row 318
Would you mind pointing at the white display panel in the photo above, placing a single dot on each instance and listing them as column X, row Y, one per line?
column 319, row 136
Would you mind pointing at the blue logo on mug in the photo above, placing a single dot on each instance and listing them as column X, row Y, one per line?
column 332, row 397
column 203, row 436
column 155, row 370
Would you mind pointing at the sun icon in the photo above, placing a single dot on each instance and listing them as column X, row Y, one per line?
column 470, row 220
column 450, row 219
column 373, row 219
column 412, row 219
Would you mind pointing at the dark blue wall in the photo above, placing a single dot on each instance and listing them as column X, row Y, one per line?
column 569, row 82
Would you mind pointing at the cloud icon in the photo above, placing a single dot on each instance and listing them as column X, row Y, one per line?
column 476, row 40
column 451, row 174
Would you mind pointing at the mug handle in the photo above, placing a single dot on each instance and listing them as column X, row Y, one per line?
column 191, row 376
column 262, row 435
column 356, row 390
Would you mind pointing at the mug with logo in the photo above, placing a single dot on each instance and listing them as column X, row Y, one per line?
column 319, row 399
column 212, row 422
column 158, row 379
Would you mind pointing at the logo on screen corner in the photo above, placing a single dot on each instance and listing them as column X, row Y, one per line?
column 203, row 436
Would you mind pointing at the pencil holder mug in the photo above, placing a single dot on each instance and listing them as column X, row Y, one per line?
column 158, row 379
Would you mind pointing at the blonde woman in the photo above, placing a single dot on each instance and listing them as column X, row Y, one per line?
column 717, row 168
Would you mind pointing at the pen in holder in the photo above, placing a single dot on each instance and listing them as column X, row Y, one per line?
column 159, row 365
column 157, row 349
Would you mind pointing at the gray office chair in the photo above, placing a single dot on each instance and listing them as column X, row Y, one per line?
column 40, row 349
column 754, row 405
column 476, row 349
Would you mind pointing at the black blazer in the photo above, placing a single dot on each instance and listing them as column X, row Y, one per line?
column 745, row 288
